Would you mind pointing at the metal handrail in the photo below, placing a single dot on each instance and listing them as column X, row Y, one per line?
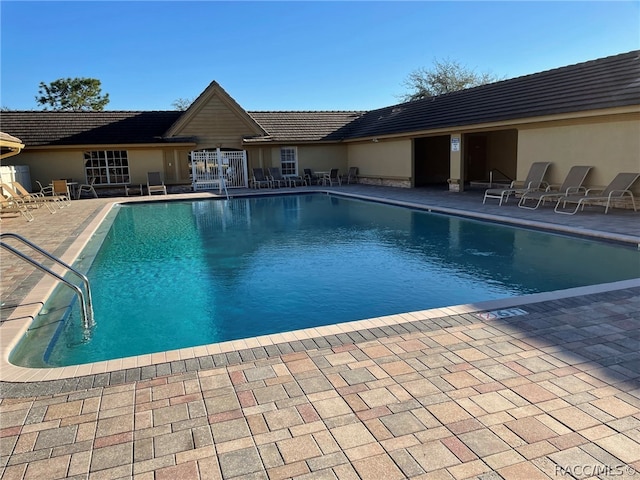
column 86, row 304
column 491, row 172
column 223, row 183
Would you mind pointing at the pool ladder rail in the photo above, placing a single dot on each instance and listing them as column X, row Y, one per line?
column 86, row 305
column 492, row 175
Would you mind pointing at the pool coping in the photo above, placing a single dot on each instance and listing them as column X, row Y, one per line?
column 24, row 381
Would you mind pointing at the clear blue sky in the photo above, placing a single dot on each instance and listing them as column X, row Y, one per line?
column 292, row 55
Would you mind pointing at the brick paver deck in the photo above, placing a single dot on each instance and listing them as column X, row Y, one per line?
column 554, row 393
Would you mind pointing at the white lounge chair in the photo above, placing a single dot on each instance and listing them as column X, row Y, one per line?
column 12, row 205
column 572, row 185
column 34, row 200
column 616, row 191
column 534, row 181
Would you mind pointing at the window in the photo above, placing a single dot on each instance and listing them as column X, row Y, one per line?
column 289, row 160
column 108, row 167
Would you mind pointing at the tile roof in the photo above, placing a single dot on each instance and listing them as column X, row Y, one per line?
column 604, row 83
column 37, row 128
column 300, row 126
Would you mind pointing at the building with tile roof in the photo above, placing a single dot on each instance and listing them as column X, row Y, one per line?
column 587, row 114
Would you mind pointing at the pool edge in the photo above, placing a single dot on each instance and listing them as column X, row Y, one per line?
column 14, row 327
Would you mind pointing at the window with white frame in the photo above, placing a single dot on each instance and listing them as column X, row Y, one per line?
column 108, row 167
column 289, row 160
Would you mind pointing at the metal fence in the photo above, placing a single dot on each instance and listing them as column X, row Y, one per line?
column 208, row 167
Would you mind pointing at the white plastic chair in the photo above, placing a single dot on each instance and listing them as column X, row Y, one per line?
column 45, row 190
column 87, row 187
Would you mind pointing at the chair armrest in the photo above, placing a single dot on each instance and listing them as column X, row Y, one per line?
column 620, row 192
column 575, row 190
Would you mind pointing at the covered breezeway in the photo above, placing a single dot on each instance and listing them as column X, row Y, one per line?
column 488, row 157
column 431, row 161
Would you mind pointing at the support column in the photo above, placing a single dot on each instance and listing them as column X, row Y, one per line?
column 456, row 163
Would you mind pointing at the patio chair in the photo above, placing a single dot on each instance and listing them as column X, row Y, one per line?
column 61, row 190
column 572, row 185
column 45, row 190
column 24, row 193
column 88, row 188
column 534, row 181
column 259, row 179
column 311, row 177
column 155, row 183
column 277, row 178
column 332, row 177
column 12, row 205
column 295, row 180
column 351, row 176
column 28, row 199
column 616, row 191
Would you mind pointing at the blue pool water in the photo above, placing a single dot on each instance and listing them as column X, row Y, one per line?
column 179, row 274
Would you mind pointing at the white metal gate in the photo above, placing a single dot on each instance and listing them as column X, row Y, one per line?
column 209, row 167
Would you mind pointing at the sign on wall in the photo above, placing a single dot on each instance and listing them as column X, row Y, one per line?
column 455, row 144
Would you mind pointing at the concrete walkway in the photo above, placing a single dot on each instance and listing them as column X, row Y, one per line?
column 551, row 393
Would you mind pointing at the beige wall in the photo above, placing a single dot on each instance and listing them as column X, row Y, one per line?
column 143, row 161
column 46, row 166
column 53, row 164
column 609, row 146
column 315, row 157
column 216, row 124
column 176, row 166
column 501, row 151
column 385, row 159
column 322, row 157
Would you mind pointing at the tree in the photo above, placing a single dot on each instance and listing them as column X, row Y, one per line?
column 72, row 94
column 181, row 104
column 445, row 76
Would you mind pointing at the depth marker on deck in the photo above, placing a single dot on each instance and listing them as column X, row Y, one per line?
column 505, row 313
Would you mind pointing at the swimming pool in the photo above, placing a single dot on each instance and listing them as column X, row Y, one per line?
column 176, row 274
